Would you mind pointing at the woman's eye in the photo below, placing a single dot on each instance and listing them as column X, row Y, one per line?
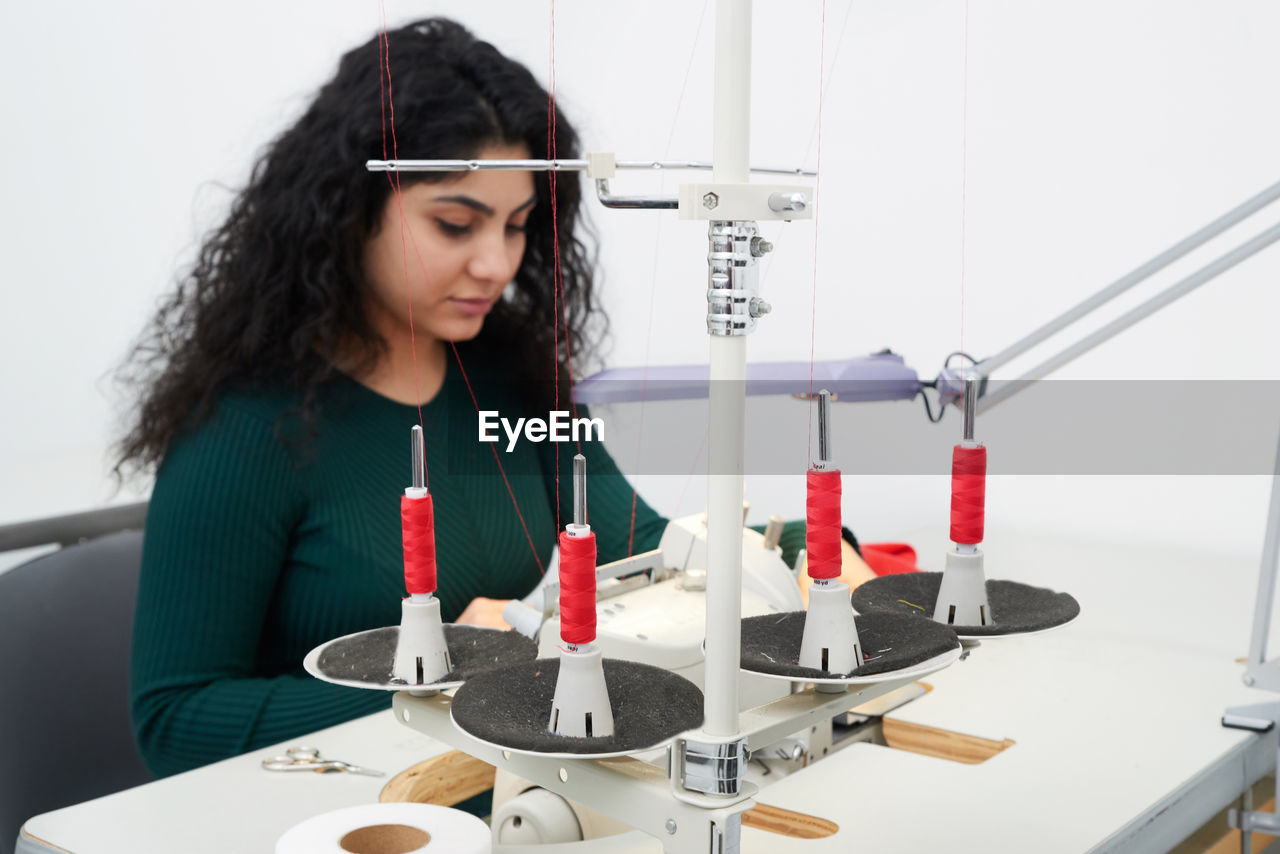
column 452, row 229
column 518, row 229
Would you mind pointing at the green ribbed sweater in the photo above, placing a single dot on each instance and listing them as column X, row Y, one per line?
column 264, row 540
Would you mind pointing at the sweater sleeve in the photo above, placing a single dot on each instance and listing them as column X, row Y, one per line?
column 219, row 524
column 611, row 500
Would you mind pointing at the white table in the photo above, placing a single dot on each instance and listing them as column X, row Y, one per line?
column 234, row 805
column 1115, row 718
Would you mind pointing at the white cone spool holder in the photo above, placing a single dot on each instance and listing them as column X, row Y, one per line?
column 830, row 640
column 581, row 705
column 962, row 595
column 422, row 656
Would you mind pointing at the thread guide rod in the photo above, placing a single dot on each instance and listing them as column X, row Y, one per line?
column 556, row 165
column 971, row 382
column 418, row 449
column 579, row 490
column 823, row 459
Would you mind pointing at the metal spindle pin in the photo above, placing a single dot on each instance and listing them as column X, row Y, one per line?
column 970, row 404
column 824, row 434
column 417, row 447
column 579, row 490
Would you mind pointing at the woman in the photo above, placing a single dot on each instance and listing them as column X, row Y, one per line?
column 326, row 316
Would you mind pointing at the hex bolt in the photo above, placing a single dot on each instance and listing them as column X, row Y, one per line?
column 671, row 825
column 1248, row 680
column 710, row 200
column 758, row 307
column 760, row 247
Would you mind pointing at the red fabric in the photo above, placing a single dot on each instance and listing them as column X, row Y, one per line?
column 889, row 558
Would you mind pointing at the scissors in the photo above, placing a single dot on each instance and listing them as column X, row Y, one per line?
column 303, row 758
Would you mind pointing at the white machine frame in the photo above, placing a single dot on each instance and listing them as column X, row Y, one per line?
column 696, row 804
column 706, row 816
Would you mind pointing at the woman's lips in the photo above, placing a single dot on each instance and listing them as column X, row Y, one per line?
column 472, row 306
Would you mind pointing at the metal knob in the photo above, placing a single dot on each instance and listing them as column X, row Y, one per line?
column 788, row 202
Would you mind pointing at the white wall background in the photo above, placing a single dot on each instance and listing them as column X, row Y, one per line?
column 1098, row 133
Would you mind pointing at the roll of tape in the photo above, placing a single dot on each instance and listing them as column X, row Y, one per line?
column 388, row 829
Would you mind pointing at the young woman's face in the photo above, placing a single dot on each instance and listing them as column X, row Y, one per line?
column 461, row 244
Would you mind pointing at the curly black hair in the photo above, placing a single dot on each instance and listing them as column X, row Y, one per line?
column 277, row 289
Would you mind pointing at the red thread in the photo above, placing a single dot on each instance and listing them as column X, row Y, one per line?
column 418, row 531
column 813, row 308
column 494, row 448
column 964, row 168
column 822, row 524
column 555, row 245
column 395, row 187
column 577, row 588
column 631, row 535
column 653, row 283
column 968, row 494
column 385, row 54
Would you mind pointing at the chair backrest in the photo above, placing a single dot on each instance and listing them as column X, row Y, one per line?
column 66, row 625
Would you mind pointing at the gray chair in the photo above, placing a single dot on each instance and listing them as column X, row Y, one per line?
column 66, row 624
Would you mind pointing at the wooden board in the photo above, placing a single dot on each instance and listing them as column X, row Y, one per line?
column 784, row 822
column 447, row 779
column 941, row 743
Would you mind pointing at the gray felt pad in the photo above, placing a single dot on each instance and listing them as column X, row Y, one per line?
column 1015, row 607
column 771, row 644
column 512, row 706
column 369, row 656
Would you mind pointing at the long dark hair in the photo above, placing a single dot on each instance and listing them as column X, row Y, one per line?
column 279, row 284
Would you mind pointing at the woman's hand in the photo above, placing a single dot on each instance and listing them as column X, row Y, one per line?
column 853, row 571
column 484, row 612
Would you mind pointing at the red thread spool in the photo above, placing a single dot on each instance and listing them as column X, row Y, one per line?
column 968, row 494
column 577, row 588
column 418, row 532
column 822, row 523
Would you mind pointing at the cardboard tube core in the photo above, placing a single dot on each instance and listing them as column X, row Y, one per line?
column 384, row 839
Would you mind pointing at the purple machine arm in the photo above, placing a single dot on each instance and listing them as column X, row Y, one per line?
column 881, row 376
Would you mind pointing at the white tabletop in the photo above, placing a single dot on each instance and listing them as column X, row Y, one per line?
column 236, row 805
column 1115, row 720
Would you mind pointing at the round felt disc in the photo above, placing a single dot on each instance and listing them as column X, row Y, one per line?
column 510, row 708
column 892, row 647
column 365, row 659
column 1015, row 608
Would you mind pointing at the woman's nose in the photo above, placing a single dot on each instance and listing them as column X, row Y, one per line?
column 495, row 258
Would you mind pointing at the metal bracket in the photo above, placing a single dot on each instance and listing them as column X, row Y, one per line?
column 1252, row 820
column 726, row 836
column 733, row 276
column 746, row 201
column 712, row 768
column 1257, row 717
column 609, row 200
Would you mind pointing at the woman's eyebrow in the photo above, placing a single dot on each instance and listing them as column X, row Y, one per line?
column 481, row 207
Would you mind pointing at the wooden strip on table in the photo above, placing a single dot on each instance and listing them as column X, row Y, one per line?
column 797, row 825
column 941, row 743
column 447, row 779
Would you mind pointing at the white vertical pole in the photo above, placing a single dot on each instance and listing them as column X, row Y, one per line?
column 728, row 393
column 732, row 105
